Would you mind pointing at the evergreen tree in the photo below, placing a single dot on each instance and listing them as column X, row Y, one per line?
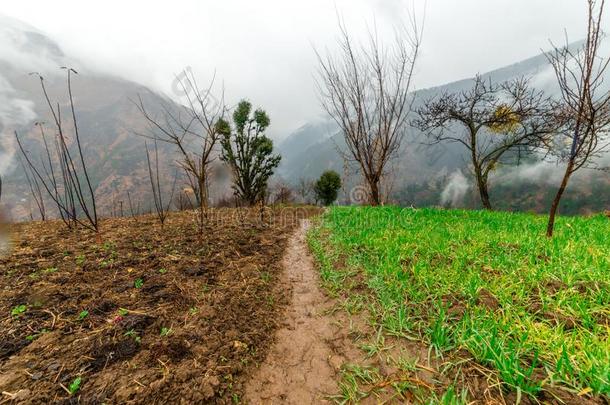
column 248, row 152
column 327, row 187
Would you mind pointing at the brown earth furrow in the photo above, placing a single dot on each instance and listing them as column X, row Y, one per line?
column 301, row 368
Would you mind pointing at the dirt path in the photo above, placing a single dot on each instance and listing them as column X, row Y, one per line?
column 303, row 364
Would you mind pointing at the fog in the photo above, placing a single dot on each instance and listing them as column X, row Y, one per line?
column 264, row 50
column 454, row 192
column 13, row 112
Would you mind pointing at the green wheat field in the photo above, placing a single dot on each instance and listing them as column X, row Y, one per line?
column 534, row 311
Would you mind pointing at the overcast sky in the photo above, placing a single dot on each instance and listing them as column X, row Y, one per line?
column 263, row 49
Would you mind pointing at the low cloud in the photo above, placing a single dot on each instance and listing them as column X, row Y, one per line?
column 539, row 173
column 24, row 49
column 455, row 190
column 14, row 112
column 544, row 172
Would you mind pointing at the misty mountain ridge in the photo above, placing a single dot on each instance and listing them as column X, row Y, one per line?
column 536, row 67
column 109, row 120
column 107, row 117
column 438, row 174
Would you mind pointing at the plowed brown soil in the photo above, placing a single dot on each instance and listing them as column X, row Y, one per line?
column 140, row 313
column 303, row 366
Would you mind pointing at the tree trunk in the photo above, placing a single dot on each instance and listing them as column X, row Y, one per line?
column 203, row 203
column 483, row 189
column 555, row 206
column 375, row 195
column 485, row 197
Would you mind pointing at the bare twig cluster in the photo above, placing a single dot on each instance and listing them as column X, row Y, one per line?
column 584, row 109
column 366, row 91
column 496, row 123
column 162, row 207
column 36, row 190
column 62, row 170
column 192, row 129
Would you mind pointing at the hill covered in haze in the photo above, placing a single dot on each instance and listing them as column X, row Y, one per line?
column 107, row 118
column 426, row 175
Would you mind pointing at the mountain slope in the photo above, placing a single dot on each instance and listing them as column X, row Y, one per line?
column 422, row 173
column 107, row 118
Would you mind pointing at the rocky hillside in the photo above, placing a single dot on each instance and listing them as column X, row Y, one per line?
column 107, row 117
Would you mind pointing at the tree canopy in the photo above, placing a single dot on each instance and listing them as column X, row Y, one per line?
column 327, row 187
column 248, row 152
column 496, row 123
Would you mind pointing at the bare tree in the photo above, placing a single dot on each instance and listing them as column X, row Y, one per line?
column 35, row 190
column 282, row 193
column 584, row 109
column 134, row 211
column 192, row 129
column 63, row 174
column 365, row 89
column 161, row 208
column 496, row 123
column 305, row 190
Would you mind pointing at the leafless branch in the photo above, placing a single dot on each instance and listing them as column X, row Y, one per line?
column 583, row 113
column 365, row 89
column 495, row 123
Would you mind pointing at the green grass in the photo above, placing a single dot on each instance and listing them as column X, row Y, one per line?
column 534, row 310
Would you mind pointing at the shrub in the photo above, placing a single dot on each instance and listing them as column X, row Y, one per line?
column 327, row 187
